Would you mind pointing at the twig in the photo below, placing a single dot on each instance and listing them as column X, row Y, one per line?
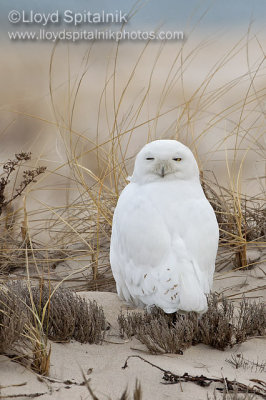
column 30, row 395
column 143, row 359
column 204, row 381
column 86, row 382
column 42, row 378
column 15, row 385
column 238, row 361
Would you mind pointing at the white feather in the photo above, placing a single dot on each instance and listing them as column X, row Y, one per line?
column 165, row 234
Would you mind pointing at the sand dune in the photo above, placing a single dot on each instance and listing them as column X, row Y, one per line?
column 109, row 380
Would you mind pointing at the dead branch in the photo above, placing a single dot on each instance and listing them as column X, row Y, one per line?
column 29, row 395
column 204, row 381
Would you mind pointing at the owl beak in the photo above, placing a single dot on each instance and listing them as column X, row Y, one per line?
column 163, row 172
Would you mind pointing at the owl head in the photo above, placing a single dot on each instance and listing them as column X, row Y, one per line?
column 163, row 160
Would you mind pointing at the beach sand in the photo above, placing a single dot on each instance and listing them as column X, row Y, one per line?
column 102, row 364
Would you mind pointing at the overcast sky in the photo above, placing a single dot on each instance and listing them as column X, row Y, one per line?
column 172, row 13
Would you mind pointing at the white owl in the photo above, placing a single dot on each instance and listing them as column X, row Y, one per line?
column 165, row 233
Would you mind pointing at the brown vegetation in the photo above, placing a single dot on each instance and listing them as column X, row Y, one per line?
column 30, row 316
column 221, row 326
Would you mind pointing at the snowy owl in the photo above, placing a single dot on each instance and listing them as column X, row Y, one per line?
column 165, row 233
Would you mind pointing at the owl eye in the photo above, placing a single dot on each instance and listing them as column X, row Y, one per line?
column 149, row 158
column 177, row 159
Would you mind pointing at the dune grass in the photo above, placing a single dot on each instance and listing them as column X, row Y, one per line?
column 93, row 188
column 29, row 316
column 95, row 165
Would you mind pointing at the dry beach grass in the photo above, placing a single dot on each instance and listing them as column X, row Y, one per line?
column 55, row 234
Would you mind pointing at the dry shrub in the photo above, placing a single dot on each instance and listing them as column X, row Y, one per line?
column 13, row 317
column 60, row 315
column 29, row 317
column 251, row 320
column 19, row 333
column 90, row 322
column 9, row 168
column 215, row 326
column 160, row 332
column 65, row 315
column 221, row 326
column 225, row 325
column 59, row 319
column 159, row 337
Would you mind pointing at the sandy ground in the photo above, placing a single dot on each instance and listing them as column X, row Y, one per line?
column 105, row 361
column 28, row 123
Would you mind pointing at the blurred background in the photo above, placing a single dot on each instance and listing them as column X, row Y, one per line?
column 84, row 109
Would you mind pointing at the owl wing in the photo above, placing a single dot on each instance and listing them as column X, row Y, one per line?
column 150, row 263
column 202, row 239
